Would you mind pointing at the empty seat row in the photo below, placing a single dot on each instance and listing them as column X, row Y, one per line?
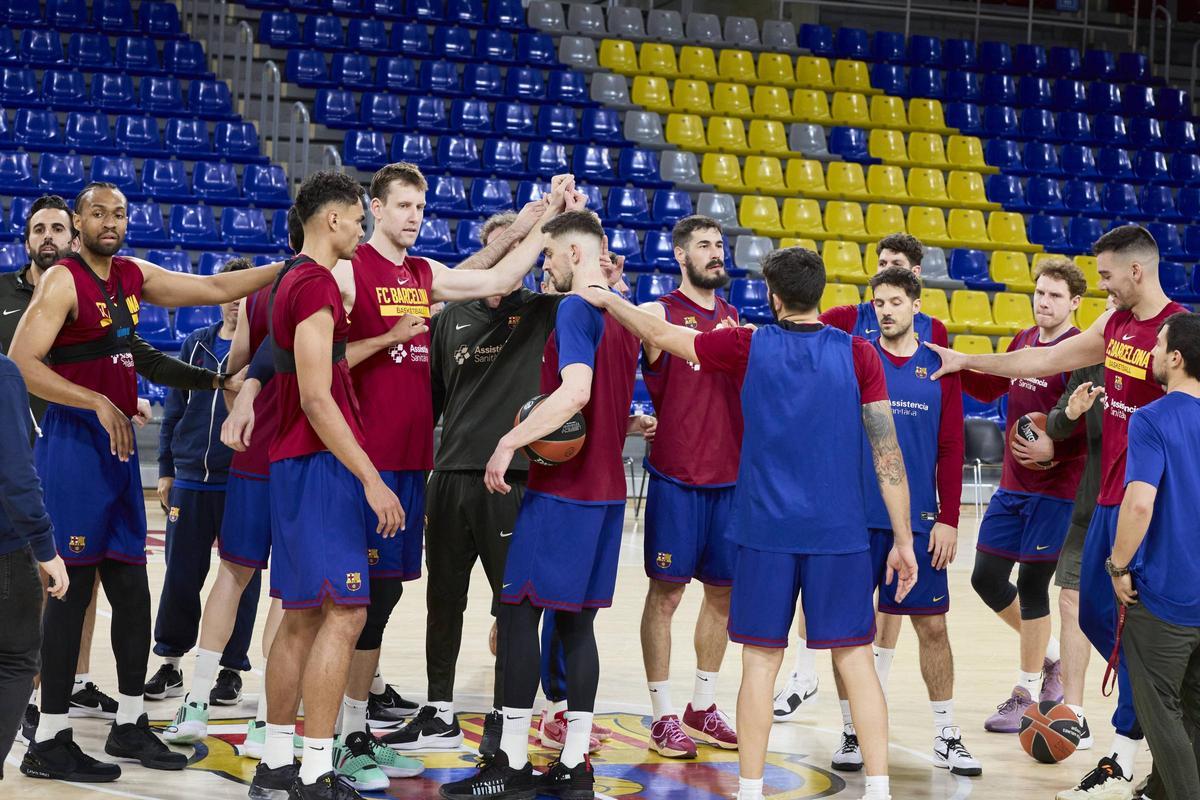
column 326, row 32
column 918, row 149
column 108, row 16
column 155, row 326
column 1114, row 199
column 195, row 226
column 1076, row 126
column 508, row 14
column 137, row 136
column 136, row 55
column 1079, row 160
column 158, row 95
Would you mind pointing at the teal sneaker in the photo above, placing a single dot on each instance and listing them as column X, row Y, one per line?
column 354, row 760
column 256, row 736
column 190, row 724
column 392, row 763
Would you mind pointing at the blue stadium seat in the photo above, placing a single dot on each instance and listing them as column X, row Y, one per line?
column 926, row 82
column 459, row 155
column 747, row 293
column 602, row 125
column 506, row 14
column 1103, row 98
column 1031, row 59
column 60, row 174
column 592, row 193
column 528, row 191
column 925, row 51
column 963, row 87
column 1037, row 123
column 382, row 111
column 965, row 117
column 347, row 8
column 1040, row 158
column 557, row 123
column 438, row 78
column 1074, row 126
column 18, row 88
column 1069, row 95
column 471, row 116
column 366, row 150
column 211, row 263
column 1001, row 121
column 1007, row 191
column 411, row 39
column 453, row 43
column 1167, row 236
column 514, row 119
column 138, row 55
column 995, row 57
column 192, row 318
column 63, row 88
column 1174, row 279
column 628, row 206
column 1098, row 65
column 640, row 167
column 1137, row 101
column 547, row 159
column 434, row 239
column 426, row 114
column 851, row 144
column 16, row 174
column 466, row 236
column 502, row 157
column 187, row 138
column 670, row 206
column 1034, row 92
column 155, row 326
column 18, row 212
column 624, row 242
column 447, row 196
column 1151, row 166
column 1145, row 132
column 279, row 234
column 89, row 51
column 1004, row 154
column 568, row 87
column 162, row 95
column 166, row 180
column 246, row 229
column 117, row 170
column 959, row 54
column 658, row 253
column 652, row 286
column 483, row 81
column 351, row 71
column 491, row 195
column 1000, row 89
column 1065, row 62
column 890, row 79
column 536, row 49
column 526, row 84
column 36, row 129
column 1157, row 202
column 216, row 182
column 1172, row 103
column 115, row 93
column 1132, row 68
column 145, row 225
column 159, row 19
column 174, row 260
column 1185, row 169
column 1048, row 231
column 386, row 9
column 426, row 10
column 279, row 29
column 853, row 43
column 969, row 266
column 41, row 48
column 194, row 226
column 1191, row 240
column 415, row 148
column 396, row 74
column 237, row 141
column 139, row 136
column 324, row 32
column 1180, row 135
column 89, row 133
column 1081, row 197
column 818, row 39
column 1043, row 195
column 591, row 163
column 888, row 46
column 368, row 36
column 1082, row 231
column 210, row 99
column 495, row 46
column 1120, row 200
column 306, row 68
column 184, row 57
column 1110, row 129
column 465, row 12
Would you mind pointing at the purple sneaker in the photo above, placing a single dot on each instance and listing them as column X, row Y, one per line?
column 1007, row 718
column 1052, row 688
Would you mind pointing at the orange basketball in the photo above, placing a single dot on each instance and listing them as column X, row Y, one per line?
column 1023, row 429
column 1050, row 731
column 559, row 446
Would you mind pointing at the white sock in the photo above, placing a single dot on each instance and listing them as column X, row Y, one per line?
column 877, row 788
column 378, row 685
column 579, row 735
column 445, row 711
column 749, row 788
column 1053, row 652
column 1124, row 751
column 806, row 660
column 883, row 663
column 317, row 759
column 1031, row 682
column 173, row 661
column 207, row 664
column 660, row 699
column 846, row 718
column 81, row 680
column 278, row 746
column 261, row 714
column 129, row 708
column 33, row 701
column 943, row 715
column 514, row 739
column 704, row 695
column 354, row 716
column 554, row 708
column 49, row 725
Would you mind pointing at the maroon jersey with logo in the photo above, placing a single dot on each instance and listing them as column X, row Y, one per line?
column 1128, row 385
column 699, row 435
column 255, row 459
column 114, row 375
column 393, row 386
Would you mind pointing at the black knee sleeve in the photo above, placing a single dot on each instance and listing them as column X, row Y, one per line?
column 1033, row 589
column 990, row 581
column 385, row 593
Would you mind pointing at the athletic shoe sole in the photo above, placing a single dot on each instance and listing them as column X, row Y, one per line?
column 848, row 766
column 512, row 794
column 704, row 738
column 213, row 701
column 367, row 786
column 429, row 743
column 259, row 793
column 968, row 772
column 171, row 691
column 72, row 777
column 90, row 713
column 667, row 752
column 384, row 724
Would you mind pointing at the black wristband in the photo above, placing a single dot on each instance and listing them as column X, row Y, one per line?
column 221, row 376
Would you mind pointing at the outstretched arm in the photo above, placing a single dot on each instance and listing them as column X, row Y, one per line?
column 172, row 289
column 654, row 331
column 158, row 367
column 1081, row 350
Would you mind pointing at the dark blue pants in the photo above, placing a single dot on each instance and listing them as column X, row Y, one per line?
column 193, row 523
column 554, row 661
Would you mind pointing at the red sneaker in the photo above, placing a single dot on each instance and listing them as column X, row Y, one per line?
column 710, row 726
column 600, row 732
column 668, row 739
column 553, row 733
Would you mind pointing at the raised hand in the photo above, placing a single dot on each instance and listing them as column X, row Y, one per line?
column 1082, row 399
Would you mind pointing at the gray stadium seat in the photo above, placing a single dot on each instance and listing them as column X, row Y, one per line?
column 704, row 29
column 626, row 22
column 586, row 19
column 779, row 34
column 749, row 251
column 644, row 128
column 547, row 16
column 741, row 32
column 680, row 168
column 935, row 273
column 666, row 26
column 578, row 52
column 720, row 207
column 611, row 90
column 809, row 140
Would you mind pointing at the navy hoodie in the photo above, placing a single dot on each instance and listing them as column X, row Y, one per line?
column 23, row 518
column 189, row 442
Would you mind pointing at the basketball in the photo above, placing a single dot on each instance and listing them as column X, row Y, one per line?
column 559, row 446
column 1050, row 731
column 1023, row 429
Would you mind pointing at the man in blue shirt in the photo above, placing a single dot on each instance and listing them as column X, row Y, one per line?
column 1155, row 561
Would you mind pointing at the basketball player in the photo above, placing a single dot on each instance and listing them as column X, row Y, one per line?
column 1121, row 340
column 1027, row 519
column 690, row 495
column 797, row 517
column 73, row 350
column 568, row 531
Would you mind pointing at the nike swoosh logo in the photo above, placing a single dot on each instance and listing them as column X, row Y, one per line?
column 939, row 599
column 13, row 311
column 870, row 330
column 460, row 327
column 1042, row 547
column 401, row 281
column 505, row 586
column 504, row 535
column 1127, row 337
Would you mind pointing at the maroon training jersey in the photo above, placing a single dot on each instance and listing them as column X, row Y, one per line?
column 394, row 384
column 699, row 437
column 113, row 376
column 255, row 460
column 1128, row 385
column 305, row 290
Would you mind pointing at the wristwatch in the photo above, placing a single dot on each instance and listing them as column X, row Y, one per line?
column 1113, row 570
column 221, row 376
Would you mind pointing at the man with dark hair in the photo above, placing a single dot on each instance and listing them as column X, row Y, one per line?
column 900, row 250
column 1155, row 564
column 798, row 518
column 73, row 350
column 1121, row 340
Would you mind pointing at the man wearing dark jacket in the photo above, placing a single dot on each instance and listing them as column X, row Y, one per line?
column 193, row 466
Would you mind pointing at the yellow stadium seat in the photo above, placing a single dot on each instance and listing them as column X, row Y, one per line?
column 1013, row 310
column 1092, row 272
column 618, row 56
column 927, row 185
column 772, row 101
column 1011, row 269
column 886, row 182
column 1002, row 344
column 935, row 304
column 806, row 178
column 722, row 170
column 927, row 149
column 887, row 145
column 966, row 225
column 698, row 62
column 651, row 93
column 871, row 258
column 1089, row 311
column 657, row 59
column 971, row 308
column 727, row 135
column 888, row 112
column 768, row 136
column 838, row 294
column 764, row 174
column 811, row 105
column 691, row 97
column 845, row 179
column 975, row 345
column 776, row 69
column 686, row 131
column 927, row 224
column 737, row 66
column 926, row 115
column 845, row 219
column 851, row 76
column 850, row 109
column 791, row 241
column 812, row 72
column 1008, row 227
column 966, row 152
column 843, row 262
column 803, row 216
column 760, row 214
column 732, row 100
column 884, row 219
column 967, row 188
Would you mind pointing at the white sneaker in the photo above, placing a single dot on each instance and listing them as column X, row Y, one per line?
column 798, row 690
column 848, row 757
column 1085, row 740
column 949, row 753
column 1105, row 782
column 190, row 724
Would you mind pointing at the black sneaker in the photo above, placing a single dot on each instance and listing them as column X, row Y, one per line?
column 227, row 691
column 426, row 732
column 60, row 759
column 493, row 727
column 29, row 723
column 327, row 787
column 495, row 779
column 389, row 709
column 135, row 740
column 1101, row 781
column 569, row 783
column 167, row 682
column 91, row 702
column 273, row 784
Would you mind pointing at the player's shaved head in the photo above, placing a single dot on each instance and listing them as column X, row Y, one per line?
column 1127, row 260
column 1131, row 241
column 1178, row 347
column 575, row 223
column 795, row 277
column 93, row 189
column 576, row 237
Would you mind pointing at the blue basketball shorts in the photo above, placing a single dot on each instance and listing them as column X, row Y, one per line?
column 318, row 537
column 398, row 556
column 246, row 530
column 685, row 533
column 837, row 593
column 1027, row 528
column 563, row 553
column 930, row 595
column 93, row 498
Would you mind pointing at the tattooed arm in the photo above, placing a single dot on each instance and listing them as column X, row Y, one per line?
column 893, row 485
